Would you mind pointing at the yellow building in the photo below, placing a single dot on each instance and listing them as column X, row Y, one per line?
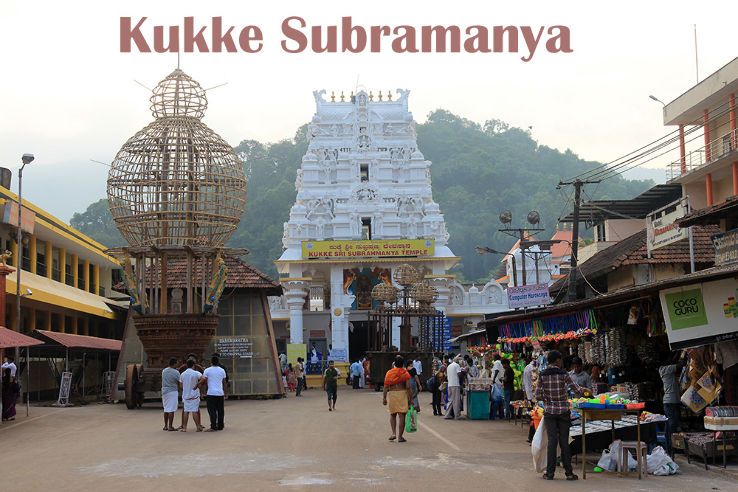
column 65, row 275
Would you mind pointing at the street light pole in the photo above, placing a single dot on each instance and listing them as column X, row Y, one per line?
column 26, row 159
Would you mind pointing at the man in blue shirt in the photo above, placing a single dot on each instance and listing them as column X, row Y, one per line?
column 355, row 370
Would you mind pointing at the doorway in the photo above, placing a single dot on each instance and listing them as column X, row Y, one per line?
column 358, row 339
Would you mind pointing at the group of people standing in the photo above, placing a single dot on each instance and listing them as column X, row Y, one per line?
column 451, row 374
column 10, row 388
column 192, row 381
column 293, row 374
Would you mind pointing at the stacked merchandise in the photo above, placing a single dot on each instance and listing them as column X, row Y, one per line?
column 633, row 390
column 616, row 349
column 598, row 353
column 722, row 417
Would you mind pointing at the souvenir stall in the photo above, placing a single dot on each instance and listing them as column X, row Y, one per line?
column 621, row 347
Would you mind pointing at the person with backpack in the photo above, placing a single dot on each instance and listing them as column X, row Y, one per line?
column 434, row 384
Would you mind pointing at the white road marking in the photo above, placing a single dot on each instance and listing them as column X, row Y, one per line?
column 441, row 438
column 16, row 424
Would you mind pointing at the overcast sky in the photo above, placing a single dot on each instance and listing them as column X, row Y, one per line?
column 69, row 95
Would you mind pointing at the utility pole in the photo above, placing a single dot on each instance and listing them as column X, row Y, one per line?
column 577, row 183
column 522, row 256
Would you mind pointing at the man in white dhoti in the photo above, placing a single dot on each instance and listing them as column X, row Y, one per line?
column 190, row 395
column 169, row 393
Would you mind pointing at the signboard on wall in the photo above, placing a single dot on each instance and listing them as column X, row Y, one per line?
column 726, row 247
column 527, row 295
column 379, row 248
column 699, row 314
column 236, row 347
column 295, row 350
column 338, row 355
column 661, row 228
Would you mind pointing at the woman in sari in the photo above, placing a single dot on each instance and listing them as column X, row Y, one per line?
column 8, row 396
column 291, row 378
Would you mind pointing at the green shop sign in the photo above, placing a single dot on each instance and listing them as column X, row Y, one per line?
column 686, row 309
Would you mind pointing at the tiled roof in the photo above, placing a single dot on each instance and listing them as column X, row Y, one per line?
column 633, row 251
column 81, row 341
column 710, row 215
column 239, row 275
column 10, row 338
column 563, row 248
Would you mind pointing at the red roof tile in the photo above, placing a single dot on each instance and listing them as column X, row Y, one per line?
column 563, row 248
column 633, row 251
column 81, row 341
column 10, row 338
column 239, row 275
column 710, row 215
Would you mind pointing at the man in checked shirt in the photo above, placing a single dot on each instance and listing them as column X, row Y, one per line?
column 552, row 385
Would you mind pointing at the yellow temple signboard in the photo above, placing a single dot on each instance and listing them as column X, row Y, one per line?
column 379, row 248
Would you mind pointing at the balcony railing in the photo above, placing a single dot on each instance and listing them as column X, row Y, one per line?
column 717, row 149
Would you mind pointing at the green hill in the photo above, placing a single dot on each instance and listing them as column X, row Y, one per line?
column 477, row 172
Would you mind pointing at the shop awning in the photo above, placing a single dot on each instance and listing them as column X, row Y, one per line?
column 10, row 338
column 467, row 335
column 79, row 341
column 62, row 295
column 616, row 297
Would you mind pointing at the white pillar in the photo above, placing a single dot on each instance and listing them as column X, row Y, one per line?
column 396, row 321
column 340, row 307
column 296, row 293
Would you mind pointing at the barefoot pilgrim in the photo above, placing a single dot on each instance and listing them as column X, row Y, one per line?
column 346, row 37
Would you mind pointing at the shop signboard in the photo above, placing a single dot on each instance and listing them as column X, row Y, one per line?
column 699, row 314
column 379, row 248
column 295, row 350
column 661, row 228
column 726, row 247
column 527, row 295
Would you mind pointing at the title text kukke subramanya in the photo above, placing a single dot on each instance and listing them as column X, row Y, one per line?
column 346, row 37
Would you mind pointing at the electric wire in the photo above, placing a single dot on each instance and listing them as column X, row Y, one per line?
column 694, row 125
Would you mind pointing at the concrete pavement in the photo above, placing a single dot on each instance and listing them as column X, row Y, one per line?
column 287, row 444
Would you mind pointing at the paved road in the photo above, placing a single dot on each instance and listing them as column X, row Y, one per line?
column 288, row 444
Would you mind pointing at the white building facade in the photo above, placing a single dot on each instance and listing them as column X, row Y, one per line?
column 364, row 206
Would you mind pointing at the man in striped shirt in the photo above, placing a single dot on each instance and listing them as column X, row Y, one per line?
column 552, row 385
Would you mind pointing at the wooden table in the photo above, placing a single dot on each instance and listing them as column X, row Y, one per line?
column 612, row 415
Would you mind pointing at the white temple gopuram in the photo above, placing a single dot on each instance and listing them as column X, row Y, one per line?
column 364, row 206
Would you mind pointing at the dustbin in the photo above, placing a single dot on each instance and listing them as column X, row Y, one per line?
column 477, row 404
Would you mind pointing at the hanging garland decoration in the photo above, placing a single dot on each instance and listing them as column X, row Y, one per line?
column 570, row 326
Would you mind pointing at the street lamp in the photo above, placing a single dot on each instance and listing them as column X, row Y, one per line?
column 484, row 249
column 657, row 100
column 26, row 159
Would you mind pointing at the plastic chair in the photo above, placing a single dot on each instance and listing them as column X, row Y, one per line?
column 625, row 447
